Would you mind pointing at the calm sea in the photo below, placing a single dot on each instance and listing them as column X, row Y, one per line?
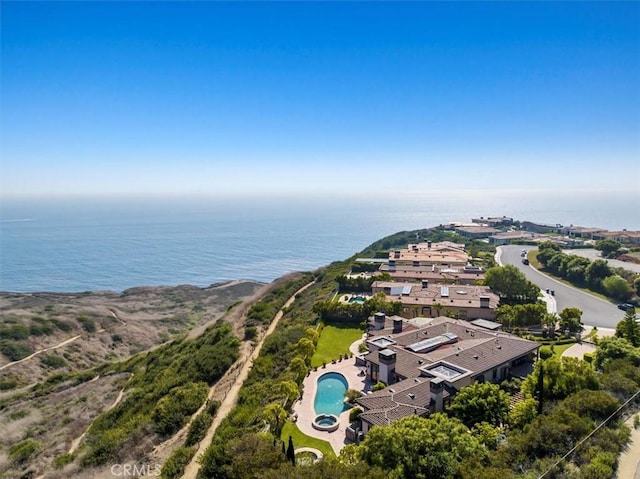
column 114, row 244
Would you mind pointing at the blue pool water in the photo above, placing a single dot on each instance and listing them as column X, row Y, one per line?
column 330, row 394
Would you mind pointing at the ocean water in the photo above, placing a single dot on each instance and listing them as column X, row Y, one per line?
column 69, row 245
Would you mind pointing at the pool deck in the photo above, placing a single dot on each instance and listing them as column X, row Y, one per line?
column 304, row 407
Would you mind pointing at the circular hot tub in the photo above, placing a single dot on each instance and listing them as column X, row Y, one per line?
column 326, row 422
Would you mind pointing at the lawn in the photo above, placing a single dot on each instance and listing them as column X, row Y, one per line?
column 334, row 341
column 302, row 440
column 559, row 349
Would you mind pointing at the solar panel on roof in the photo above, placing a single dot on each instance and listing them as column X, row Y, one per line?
column 406, row 290
column 430, row 344
column 444, row 291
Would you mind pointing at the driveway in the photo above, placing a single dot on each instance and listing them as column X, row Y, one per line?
column 595, row 311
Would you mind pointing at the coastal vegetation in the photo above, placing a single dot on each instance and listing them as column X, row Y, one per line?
column 516, row 429
column 614, row 283
column 564, row 398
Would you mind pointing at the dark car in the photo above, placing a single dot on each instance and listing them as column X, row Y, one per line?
column 626, row 306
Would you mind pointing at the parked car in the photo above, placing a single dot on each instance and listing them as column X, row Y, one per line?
column 525, row 261
column 626, row 306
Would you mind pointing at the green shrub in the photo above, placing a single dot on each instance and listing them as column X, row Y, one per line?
column 7, row 384
column 62, row 460
column 15, row 351
column 62, row 325
column 250, row 332
column 40, row 329
column 175, row 465
column 173, row 410
column 354, row 413
column 87, row 324
column 378, row 386
column 22, row 451
column 198, row 428
column 212, row 407
column 545, row 352
column 53, row 361
column 588, row 357
column 16, row 332
column 352, row 395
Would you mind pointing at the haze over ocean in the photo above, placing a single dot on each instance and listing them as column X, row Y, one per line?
column 70, row 245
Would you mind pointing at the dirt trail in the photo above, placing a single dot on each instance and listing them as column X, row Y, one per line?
column 76, row 442
column 40, row 351
column 246, row 360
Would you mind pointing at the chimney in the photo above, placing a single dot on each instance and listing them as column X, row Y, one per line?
column 396, row 254
column 387, row 358
column 378, row 319
column 428, row 244
column 397, row 325
column 436, row 385
column 425, row 283
column 484, row 301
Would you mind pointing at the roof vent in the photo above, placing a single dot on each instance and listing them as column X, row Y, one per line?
column 475, row 356
column 411, row 396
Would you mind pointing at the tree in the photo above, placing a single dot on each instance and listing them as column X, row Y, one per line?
column 608, row 247
column 562, row 376
column 298, row 368
column 481, row 402
column 415, row 447
column 275, row 415
column 291, row 452
column 596, row 272
column 523, row 413
column 511, row 284
column 290, row 391
column 612, row 347
column 305, row 348
column 629, row 328
column 576, row 268
column 312, row 334
column 570, row 320
column 546, row 250
column 617, row 287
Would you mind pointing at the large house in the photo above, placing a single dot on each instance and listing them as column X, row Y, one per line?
column 429, row 254
column 435, row 274
column 432, row 300
column 425, row 363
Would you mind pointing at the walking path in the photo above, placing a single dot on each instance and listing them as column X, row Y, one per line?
column 40, row 351
column 231, row 397
column 76, row 442
column 629, row 460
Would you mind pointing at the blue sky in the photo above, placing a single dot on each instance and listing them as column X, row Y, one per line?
column 217, row 98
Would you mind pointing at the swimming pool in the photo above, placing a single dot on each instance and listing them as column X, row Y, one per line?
column 330, row 394
column 356, row 299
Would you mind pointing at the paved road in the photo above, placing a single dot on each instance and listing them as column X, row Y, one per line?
column 595, row 311
column 594, row 254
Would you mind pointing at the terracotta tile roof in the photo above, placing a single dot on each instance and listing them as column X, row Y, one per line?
column 476, row 349
column 412, row 396
column 457, row 295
